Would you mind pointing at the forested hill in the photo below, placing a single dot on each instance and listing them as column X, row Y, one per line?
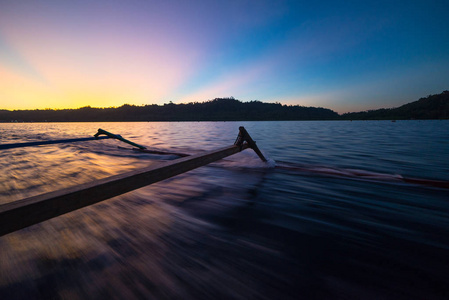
column 430, row 107
column 230, row 109
column 220, row 109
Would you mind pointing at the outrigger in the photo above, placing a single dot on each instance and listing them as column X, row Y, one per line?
column 29, row 211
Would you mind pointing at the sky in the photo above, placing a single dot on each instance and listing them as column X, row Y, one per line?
column 346, row 56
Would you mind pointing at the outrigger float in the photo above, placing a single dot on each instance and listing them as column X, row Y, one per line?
column 26, row 212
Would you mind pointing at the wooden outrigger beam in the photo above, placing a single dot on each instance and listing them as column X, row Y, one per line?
column 51, row 142
column 245, row 137
column 26, row 212
column 118, row 137
column 95, row 137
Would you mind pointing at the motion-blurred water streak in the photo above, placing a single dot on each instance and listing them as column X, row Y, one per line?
column 238, row 228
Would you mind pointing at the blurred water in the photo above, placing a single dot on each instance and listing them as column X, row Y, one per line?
column 236, row 228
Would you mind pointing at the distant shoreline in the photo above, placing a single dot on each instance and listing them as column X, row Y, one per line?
column 341, row 120
column 431, row 107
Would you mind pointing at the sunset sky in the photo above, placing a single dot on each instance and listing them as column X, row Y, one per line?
column 350, row 56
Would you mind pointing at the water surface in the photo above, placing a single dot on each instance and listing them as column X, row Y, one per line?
column 237, row 228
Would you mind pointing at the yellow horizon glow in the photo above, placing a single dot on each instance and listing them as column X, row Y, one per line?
column 107, row 72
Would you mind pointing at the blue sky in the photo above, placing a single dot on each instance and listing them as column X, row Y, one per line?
column 347, row 56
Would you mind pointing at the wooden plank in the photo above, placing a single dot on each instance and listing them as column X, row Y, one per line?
column 23, row 213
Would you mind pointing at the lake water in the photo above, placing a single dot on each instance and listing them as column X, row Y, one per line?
column 329, row 217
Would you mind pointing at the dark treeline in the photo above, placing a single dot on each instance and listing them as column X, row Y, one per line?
column 220, row 109
column 430, row 107
column 230, row 109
